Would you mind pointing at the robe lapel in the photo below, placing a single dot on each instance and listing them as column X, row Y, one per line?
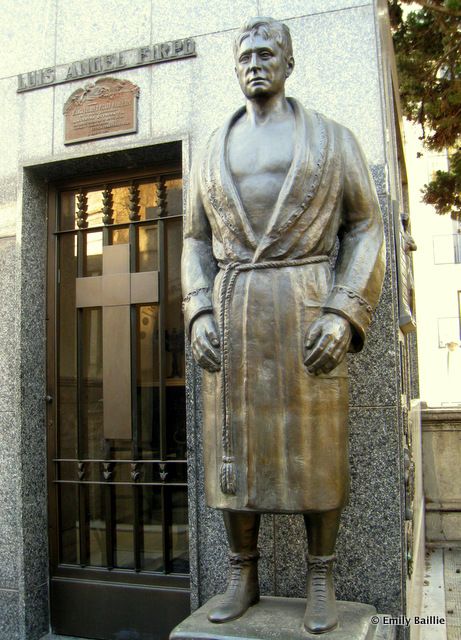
column 303, row 177
column 299, row 188
column 221, row 189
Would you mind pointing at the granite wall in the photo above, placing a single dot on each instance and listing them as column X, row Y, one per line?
column 341, row 69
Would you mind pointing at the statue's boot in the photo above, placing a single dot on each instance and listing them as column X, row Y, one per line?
column 243, row 586
column 321, row 613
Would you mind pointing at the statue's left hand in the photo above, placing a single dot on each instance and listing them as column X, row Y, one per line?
column 326, row 343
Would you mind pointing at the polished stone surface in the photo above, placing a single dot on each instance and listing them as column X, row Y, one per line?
column 9, row 133
column 370, row 556
column 9, row 557
column 34, row 140
column 10, row 611
column 213, row 101
column 27, row 37
column 339, row 81
column 37, row 615
column 203, row 19
column 381, row 178
column 280, row 619
column 9, row 491
column 103, row 29
column 8, row 318
column 7, row 220
column 172, row 85
column 10, row 522
column 287, row 8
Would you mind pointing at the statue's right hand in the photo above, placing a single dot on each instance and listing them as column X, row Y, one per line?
column 205, row 342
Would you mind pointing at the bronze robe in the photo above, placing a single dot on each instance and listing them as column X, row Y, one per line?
column 287, row 430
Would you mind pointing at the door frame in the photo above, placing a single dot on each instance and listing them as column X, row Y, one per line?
column 31, row 279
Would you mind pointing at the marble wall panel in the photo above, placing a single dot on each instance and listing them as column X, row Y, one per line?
column 10, row 492
column 10, row 615
column 9, row 448
column 288, row 8
column 203, row 18
column 7, row 219
column 340, row 82
column 370, row 553
column 34, row 511
column 9, row 134
column 172, row 97
column 8, row 323
column 9, row 557
column 36, row 115
column 215, row 90
column 374, row 371
column 27, row 36
column 84, row 30
column 37, row 621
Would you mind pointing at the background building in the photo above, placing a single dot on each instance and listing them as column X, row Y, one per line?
column 437, row 264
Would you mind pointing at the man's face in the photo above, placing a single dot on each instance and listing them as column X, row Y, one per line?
column 261, row 67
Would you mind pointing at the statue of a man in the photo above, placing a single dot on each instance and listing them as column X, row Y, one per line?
column 270, row 320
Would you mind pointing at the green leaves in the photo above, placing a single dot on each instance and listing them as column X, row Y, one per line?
column 428, row 51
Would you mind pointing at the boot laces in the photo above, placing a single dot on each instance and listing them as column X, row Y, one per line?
column 318, row 567
column 234, row 580
column 319, row 575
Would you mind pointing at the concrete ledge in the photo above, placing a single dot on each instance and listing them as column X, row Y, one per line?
column 282, row 619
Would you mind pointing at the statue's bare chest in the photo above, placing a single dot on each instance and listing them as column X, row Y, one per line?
column 259, row 160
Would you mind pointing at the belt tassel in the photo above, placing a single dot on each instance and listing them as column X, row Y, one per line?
column 228, row 476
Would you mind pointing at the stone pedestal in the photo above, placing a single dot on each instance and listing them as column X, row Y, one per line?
column 282, row 619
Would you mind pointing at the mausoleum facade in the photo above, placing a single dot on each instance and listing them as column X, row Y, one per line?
column 104, row 531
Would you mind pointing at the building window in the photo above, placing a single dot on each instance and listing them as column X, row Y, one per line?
column 457, row 241
column 447, row 249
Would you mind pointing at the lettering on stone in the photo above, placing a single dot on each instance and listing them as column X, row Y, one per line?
column 107, row 107
column 99, row 65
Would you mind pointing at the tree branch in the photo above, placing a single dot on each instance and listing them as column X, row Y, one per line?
column 439, row 8
column 443, row 58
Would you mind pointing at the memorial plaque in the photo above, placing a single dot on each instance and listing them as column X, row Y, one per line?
column 107, row 107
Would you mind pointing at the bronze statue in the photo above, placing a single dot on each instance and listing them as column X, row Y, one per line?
column 270, row 320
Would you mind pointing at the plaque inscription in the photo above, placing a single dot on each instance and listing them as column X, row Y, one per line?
column 107, row 107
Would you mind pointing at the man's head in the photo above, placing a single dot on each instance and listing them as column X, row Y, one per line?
column 263, row 56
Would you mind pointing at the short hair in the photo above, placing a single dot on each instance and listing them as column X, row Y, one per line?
column 268, row 28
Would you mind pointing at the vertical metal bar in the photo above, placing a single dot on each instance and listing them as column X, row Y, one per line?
column 109, row 490
column 134, row 351
column 106, row 236
column 136, row 444
column 84, row 525
column 109, row 499
column 166, row 522
column 161, row 337
column 81, row 436
column 162, row 376
column 137, row 527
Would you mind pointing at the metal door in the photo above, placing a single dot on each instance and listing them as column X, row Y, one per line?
column 117, row 442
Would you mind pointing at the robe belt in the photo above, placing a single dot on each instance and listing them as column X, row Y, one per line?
column 228, row 475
